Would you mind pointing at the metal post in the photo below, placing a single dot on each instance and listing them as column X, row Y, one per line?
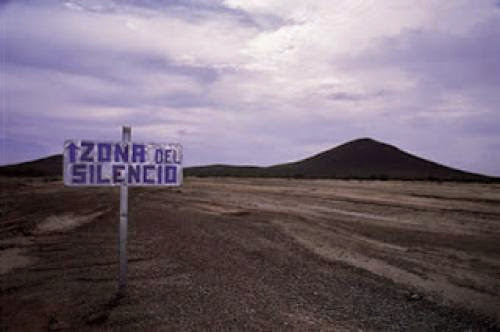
column 122, row 280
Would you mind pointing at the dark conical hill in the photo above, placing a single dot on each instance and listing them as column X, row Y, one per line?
column 363, row 158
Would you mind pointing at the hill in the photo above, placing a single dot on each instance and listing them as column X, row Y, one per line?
column 49, row 166
column 358, row 159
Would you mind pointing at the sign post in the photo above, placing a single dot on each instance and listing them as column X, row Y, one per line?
column 124, row 164
column 122, row 279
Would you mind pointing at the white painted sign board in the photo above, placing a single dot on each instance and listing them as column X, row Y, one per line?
column 124, row 164
column 96, row 163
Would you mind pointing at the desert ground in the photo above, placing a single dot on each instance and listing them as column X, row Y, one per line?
column 252, row 254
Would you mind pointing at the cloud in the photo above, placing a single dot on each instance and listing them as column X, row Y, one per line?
column 254, row 82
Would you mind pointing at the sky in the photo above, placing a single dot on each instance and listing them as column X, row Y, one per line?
column 253, row 82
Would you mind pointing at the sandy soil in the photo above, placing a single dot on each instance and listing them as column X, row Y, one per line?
column 246, row 254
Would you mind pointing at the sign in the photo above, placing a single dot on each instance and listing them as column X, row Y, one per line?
column 96, row 163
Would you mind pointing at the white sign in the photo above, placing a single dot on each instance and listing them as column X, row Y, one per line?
column 95, row 163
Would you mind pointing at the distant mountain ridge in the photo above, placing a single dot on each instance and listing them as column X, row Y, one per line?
column 363, row 158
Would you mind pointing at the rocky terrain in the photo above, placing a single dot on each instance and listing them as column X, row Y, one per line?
column 252, row 254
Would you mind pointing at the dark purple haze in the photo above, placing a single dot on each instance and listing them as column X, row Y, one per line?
column 253, row 82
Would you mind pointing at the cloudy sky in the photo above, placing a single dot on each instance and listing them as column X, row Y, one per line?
column 254, row 82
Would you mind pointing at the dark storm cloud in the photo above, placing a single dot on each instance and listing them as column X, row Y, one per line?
column 347, row 96
column 80, row 59
column 453, row 60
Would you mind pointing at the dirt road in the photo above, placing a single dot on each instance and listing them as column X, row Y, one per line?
column 253, row 254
